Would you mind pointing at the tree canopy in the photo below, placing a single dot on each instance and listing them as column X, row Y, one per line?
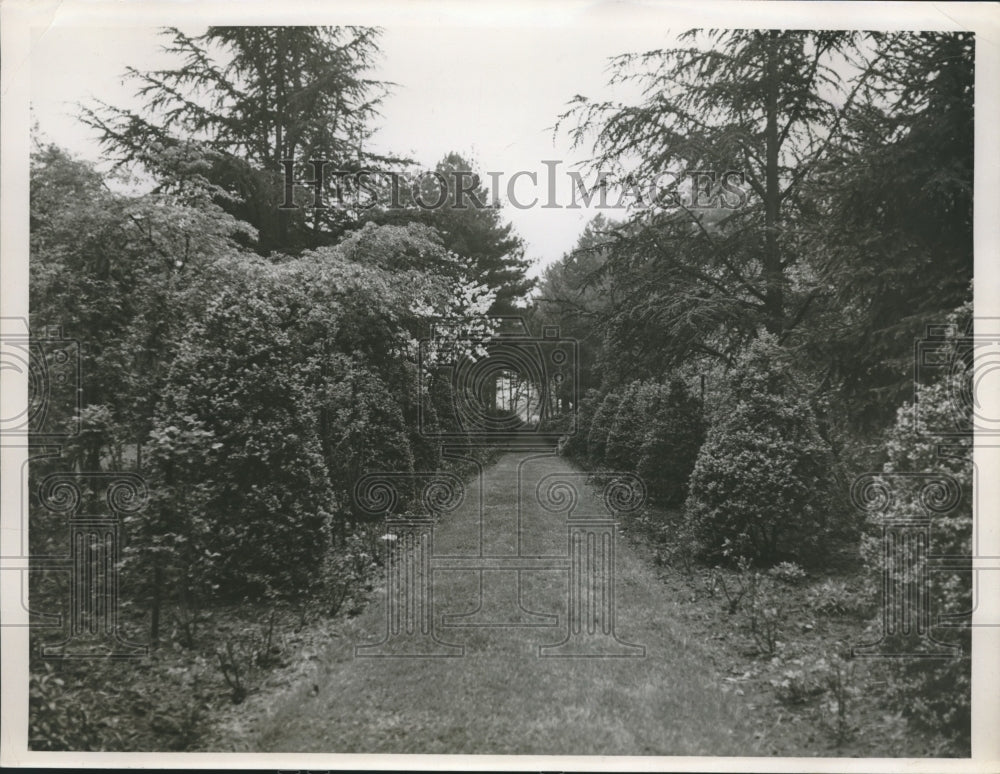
column 852, row 227
column 246, row 99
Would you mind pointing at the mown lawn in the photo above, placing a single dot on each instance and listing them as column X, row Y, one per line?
column 501, row 697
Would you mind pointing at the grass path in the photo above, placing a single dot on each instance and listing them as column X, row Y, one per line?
column 501, row 697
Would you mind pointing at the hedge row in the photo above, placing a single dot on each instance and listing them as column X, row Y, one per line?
column 752, row 473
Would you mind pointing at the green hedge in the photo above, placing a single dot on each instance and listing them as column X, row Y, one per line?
column 762, row 487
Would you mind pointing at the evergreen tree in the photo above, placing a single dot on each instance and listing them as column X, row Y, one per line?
column 899, row 187
column 574, row 292
column 243, row 101
column 695, row 280
column 674, row 433
column 470, row 225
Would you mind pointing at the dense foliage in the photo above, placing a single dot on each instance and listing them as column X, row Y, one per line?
column 251, row 364
column 744, row 358
column 934, row 692
column 673, row 434
column 762, row 486
column 793, row 290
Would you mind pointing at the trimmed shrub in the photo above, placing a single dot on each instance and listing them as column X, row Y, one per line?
column 362, row 429
column 673, row 436
column 762, row 487
column 575, row 446
column 239, row 407
column 597, row 438
column 625, row 437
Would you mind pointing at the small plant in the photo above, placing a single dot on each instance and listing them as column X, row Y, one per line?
column 734, row 597
column 235, row 665
column 266, row 652
column 787, row 572
column 59, row 718
column 837, row 598
column 187, row 619
column 244, row 654
column 839, row 682
column 180, row 711
column 798, row 684
column 762, row 611
column 710, row 582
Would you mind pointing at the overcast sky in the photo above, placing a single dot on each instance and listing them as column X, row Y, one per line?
column 492, row 94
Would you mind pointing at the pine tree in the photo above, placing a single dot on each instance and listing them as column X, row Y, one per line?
column 470, row 225
column 242, row 102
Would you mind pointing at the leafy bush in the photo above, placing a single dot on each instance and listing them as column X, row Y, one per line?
column 239, row 377
column 575, row 446
column 59, row 719
column 597, row 438
column 837, row 598
column 640, row 402
column 762, row 486
column 787, row 572
column 933, row 692
column 627, row 428
column 361, row 427
column 674, row 432
column 347, row 570
column 169, row 557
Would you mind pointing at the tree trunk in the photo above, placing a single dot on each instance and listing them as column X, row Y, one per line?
column 154, row 624
column 773, row 276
